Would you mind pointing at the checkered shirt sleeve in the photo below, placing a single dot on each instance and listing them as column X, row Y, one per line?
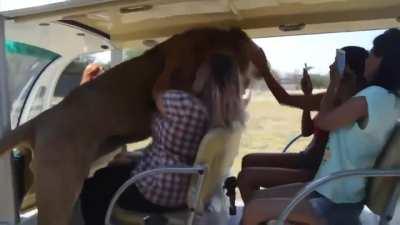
column 176, row 138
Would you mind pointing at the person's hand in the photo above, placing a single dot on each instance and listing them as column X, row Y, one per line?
column 158, row 100
column 306, row 84
column 334, row 75
column 91, row 72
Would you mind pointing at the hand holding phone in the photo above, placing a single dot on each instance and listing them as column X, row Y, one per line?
column 340, row 61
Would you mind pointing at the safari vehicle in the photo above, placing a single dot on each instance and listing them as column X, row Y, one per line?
column 46, row 48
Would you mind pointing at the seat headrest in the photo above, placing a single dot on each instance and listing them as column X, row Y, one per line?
column 217, row 151
column 380, row 189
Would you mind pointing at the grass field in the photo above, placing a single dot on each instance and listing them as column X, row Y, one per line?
column 269, row 128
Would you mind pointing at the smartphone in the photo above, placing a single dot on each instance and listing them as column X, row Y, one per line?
column 340, row 61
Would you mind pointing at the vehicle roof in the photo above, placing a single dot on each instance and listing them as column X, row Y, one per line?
column 128, row 20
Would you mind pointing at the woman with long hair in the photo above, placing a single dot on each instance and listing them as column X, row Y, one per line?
column 359, row 129
column 217, row 84
column 267, row 170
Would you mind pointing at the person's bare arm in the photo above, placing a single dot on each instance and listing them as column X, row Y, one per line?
column 332, row 117
column 307, row 125
column 352, row 110
column 311, row 102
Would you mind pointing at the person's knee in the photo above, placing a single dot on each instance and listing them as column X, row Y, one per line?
column 244, row 161
column 247, row 160
column 247, row 184
column 242, row 179
column 254, row 214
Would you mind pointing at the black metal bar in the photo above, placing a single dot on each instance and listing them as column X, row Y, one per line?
column 5, row 113
column 86, row 27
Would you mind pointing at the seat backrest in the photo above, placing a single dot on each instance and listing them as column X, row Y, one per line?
column 217, row 151
column 380, row 189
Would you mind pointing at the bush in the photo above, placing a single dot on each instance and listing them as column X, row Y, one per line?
column 292, row 81
column 319, row 81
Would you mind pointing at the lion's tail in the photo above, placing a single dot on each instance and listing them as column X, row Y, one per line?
column 21, row 136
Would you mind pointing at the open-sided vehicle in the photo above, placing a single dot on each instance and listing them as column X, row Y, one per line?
column 46, row 48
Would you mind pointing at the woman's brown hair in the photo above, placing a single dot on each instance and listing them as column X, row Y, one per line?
column 220, row 89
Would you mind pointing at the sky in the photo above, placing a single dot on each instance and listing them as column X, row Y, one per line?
column 288, row 54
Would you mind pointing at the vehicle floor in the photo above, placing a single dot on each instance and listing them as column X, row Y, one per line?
column 367, row 218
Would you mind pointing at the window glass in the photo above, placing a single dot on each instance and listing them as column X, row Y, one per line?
column 25, row 63
column 71, row 76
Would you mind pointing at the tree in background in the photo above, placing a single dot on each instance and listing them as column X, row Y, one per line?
column 291, row 81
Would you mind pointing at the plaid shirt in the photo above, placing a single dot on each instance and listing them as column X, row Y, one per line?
column 176, row 139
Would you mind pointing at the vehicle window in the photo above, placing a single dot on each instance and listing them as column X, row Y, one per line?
column 25, row 63
column 71, row 76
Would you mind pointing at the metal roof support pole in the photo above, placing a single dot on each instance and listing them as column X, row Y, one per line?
column 8, row 212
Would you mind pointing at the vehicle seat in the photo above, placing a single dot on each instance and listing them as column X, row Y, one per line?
column 381, row 191
column 217, row 152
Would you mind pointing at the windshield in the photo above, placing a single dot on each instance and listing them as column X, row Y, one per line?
column 25, row 63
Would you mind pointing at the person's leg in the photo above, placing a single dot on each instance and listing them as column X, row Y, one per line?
column 132, row 199
column 98, row 191
column 337, row 214
column 252, row 178
column 287, row 160
column 263, row 210
column 282, row 191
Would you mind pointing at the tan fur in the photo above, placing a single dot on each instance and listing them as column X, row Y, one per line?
column 110, row 111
